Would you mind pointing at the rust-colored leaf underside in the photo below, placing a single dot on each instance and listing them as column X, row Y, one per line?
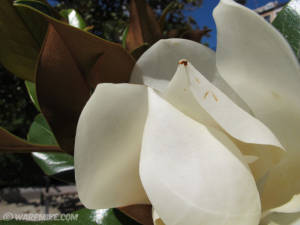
column 12, row 144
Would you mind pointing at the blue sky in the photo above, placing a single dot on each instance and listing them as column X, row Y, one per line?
column 203, row 15
column 52, row 2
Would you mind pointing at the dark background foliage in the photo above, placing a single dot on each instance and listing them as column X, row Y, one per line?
column 17, row 113
column 109, row 18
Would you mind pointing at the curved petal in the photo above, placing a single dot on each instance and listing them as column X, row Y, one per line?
column 260, row 66
column 107, row 146
column 157, row 65
column 200, row 176
column 281, row 219
column 194, row 95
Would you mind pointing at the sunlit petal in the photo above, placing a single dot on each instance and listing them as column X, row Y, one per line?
column 260, row 66
column 157, row 65
column 107, row 146
column 194, row 95
column 194, row 174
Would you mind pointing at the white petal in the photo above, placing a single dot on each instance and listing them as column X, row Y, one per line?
column 193, row 174
column 107, row 146
column 157, row 65
column 260, row 66
column 195, row 96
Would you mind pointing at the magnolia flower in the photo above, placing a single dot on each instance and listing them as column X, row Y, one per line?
column 212, row 142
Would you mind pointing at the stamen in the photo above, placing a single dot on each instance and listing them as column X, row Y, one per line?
column 205, row 95
column 215, row 97
column 183, row 62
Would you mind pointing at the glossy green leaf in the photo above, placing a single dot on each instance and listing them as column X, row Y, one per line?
column 54, row 163
column 73, row 17
column 59, row 165
column 84, row 217
column 30, row 86
column 288, row 23
column 109, row 217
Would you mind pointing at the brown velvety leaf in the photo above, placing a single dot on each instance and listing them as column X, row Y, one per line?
column 140, row 213
column 143, row 27
column 86, row 48
column 13, row 144
column 72, row 63
column 61, row 89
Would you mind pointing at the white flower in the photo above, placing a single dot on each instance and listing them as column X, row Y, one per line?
column 201, row 146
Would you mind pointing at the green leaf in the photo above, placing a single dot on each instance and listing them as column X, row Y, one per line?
column 21, row 36
column 30, row 86
column 124, row 36
column 20, row 43
column 107, row 217
column 40, row 132
column 59, row 165
column 84, row 217
column 73, row 17
column 54, row 163
column 288, row 23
